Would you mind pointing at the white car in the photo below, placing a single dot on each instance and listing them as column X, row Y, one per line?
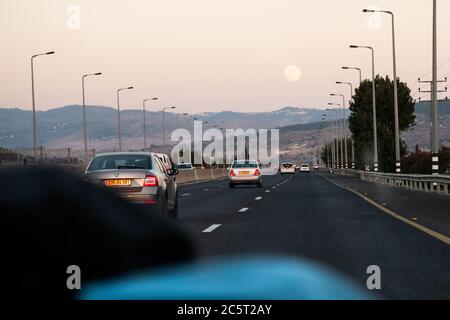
column 287, row 167
column 165, row 159
column 245, row 172
column 315, row 166
column 304, row 167
column 185, row 166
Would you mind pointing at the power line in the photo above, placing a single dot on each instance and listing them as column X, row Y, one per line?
column 424, row 75
column 439, row 66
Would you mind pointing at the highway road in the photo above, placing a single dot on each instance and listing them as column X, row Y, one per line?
column 306, row 215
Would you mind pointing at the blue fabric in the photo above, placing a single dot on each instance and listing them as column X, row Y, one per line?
column 259, row 278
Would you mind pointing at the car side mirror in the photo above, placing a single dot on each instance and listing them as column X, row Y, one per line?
column 173, row 171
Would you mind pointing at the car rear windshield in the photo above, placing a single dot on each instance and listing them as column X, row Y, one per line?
column 287, row 165
column 245, row 164
column 121, row 161
column 305, row 165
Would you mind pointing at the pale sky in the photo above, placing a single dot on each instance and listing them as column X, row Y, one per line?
column 208, row 55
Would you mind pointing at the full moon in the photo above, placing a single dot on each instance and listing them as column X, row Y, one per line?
column 292, row 73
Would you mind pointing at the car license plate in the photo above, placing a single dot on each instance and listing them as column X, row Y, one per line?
column 118, row 182
column 244, row 173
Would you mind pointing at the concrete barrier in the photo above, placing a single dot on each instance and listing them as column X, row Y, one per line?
column 204, row 174
column 218, row 173
column 185, row 176
column 197, row 175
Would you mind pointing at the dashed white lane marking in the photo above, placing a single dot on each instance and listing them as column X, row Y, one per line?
column 258, row 198
column 212, row 228
column 274, row 187
column 267, row 190
column 243, row 210
column 185, row 194
column 205, row 189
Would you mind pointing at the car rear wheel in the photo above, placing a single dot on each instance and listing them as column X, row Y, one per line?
column 174, row 212
column 232, row 185
column 163, row 206
column 260, row 185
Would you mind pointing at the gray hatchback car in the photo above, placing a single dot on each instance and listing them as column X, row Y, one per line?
column 139, row 177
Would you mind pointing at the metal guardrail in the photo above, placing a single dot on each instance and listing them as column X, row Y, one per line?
column 46, row 155
column 420, row 182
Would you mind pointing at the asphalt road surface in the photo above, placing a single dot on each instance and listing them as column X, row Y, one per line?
column 305, row 215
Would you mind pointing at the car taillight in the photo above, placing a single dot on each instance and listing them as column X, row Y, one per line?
column 231, row 174
column 257, row 172
column 150, row 181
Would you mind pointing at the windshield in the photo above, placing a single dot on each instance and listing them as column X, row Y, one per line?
column 146, row 142
column 184, row 166
column 245, row 164
column 121, row 161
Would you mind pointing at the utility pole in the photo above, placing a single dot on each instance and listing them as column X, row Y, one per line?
column 434, row 111
column 434, row 106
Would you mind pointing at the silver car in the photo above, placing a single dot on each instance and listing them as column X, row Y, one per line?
column 140, row 177
column 245, row 172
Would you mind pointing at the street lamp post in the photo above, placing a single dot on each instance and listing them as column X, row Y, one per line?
column 193, row 122
column 374, row 108
column 118, row 115
column 325, row 141
column 336, row 135
column 344, row 133
column 338, row 138
column 85, row 138
column 354, row 68
column 145, row 122
column 331, row 144
column 353, row 145
column 178, row 115
column 33, row 101
column 163, row 125
column 360, row 81
column 397, row 131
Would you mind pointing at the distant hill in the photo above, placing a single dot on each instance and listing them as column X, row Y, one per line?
column 63, row 127
column 425, row 108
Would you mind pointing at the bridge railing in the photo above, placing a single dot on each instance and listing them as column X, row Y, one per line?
column 421, row 182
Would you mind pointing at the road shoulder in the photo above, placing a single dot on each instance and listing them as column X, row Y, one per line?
column 427, row 212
